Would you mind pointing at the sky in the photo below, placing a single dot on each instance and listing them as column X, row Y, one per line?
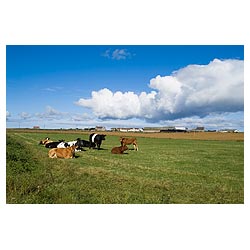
column 125, row 86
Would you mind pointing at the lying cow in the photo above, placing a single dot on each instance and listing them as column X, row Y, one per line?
column 65, row 153
column 45, row 141
column 53, row 144
column 83, row 143
column 119, row 150
column 128, row 141
column 69, row 144
column 63, row 145
column 97, row 139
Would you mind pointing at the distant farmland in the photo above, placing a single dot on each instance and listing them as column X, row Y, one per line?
column 182, row 168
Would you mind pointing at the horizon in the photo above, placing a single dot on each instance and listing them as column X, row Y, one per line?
column 73, row 86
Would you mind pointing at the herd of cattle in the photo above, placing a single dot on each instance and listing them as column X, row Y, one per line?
column 62, row 149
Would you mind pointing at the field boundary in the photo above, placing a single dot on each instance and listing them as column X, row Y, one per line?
column 217, row 136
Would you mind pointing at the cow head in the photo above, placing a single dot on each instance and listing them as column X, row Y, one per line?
column 102, row 137
column 44, row 141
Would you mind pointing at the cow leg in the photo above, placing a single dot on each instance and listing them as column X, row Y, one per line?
column 135, row 147
column 53, row 155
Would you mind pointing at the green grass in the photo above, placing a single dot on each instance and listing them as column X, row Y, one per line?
column 162, row 171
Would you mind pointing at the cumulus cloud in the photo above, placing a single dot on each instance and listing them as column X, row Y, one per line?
column 195, row 90
column 117, row 54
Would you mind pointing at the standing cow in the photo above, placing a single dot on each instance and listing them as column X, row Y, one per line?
column 97, row 139
column 127, row 141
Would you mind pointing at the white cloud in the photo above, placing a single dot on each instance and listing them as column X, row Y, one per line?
column 24, row 115
column 50, row 113
column 50, row 118
column 8, row 115
column 196, row 90
column 49, row 89
column 112, row 105
column 117, row 54
column 213, row 121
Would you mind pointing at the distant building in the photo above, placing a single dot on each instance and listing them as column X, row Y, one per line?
column 172, row 129
column 126, row 129
column 151, row 130
column 36, row 127
column 100, row 128
column 198, row 129
column 229, row 131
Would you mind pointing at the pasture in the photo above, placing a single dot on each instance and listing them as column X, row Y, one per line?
column 163, row 171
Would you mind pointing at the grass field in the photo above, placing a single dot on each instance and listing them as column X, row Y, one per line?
column 192, row 169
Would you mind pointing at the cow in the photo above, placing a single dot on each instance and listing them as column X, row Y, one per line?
column 83, row 143
column 65, row 153
column 44, row 141
column 63, row 145
column 53, row 144
column 127, row 141
column 97, row 139
column 69, row 144
column 119, row 150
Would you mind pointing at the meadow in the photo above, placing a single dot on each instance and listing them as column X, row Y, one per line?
column 168, row 170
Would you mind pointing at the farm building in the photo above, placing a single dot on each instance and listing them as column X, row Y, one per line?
column 174, row 129
column 171, row 129
column 127, row 129
column 228, row 131
column 100, row 128
column 151, row 130
column 198, row 129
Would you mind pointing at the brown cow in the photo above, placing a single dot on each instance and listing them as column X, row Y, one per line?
column 65, row 153
column 127, row 141
column 119, row 150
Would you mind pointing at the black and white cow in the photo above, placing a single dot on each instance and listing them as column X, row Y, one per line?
column 53, row 144
column 63, row 145
column 74, row 143
column 97, row 139
column 83, row 143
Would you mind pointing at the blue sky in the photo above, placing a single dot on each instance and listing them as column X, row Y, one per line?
column 131, row 86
